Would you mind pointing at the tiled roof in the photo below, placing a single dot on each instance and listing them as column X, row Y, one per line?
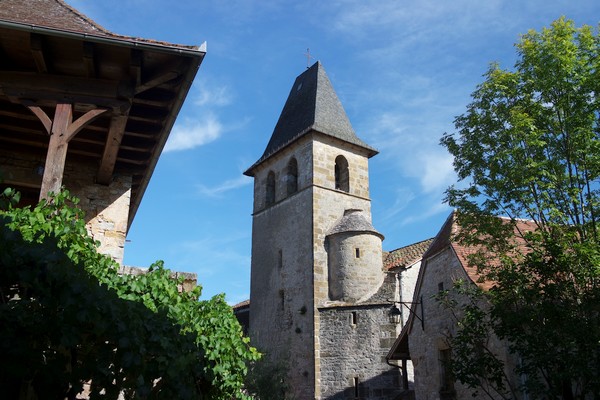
column 405, row 256
column 312, row 105
column 58, row 15
column 447, row 237
column 245, row 303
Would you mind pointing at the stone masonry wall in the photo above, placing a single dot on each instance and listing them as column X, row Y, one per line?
column 106, row 207
column 281, row 317
column 329, row 205
column 354, row 343
column 354, row 265
column 441, row 271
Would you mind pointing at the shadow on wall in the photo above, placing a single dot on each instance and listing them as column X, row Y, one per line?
column 370, row 389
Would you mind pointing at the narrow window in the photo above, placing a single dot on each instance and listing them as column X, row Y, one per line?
column 446, row 378
column 441, row 287
column 342, row 176
column 357, row 250
column 270, row 195
column 292, row 176
column 281, row 298
column 353, row 318
column 280, row 259
column 356, row 391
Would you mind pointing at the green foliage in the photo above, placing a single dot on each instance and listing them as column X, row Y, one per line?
column 528, row 148
column 266, row 381
column 68, row 317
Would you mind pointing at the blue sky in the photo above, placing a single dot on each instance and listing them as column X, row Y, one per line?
column 402, row 69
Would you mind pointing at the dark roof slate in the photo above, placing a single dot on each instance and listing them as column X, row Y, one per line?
column 354, row 221
column 312, row 105
column 58, row 15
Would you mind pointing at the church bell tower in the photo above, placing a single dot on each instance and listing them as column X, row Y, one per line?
column 313, row 245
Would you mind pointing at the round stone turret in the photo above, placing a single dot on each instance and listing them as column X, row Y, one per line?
column 354, row 258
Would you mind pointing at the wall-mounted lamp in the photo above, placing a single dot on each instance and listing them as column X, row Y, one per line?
column 395, row 315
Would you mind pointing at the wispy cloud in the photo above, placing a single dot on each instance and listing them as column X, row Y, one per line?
column 435, row 208
column 193, row 133
column 226, row 186
column 213, row 95
column 202, row 124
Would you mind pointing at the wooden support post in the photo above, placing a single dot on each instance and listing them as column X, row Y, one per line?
column 57, row 150
column 62, row 131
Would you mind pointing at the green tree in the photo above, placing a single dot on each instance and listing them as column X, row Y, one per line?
column 528, row 147
column 68, row 318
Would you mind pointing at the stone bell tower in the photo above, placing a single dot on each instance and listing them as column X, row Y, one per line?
column 313, row 245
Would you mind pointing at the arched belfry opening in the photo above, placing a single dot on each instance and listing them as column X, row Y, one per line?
column 342, row 176
column 292, row 176
column 270, row 189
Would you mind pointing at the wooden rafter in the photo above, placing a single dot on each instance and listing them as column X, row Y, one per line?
column 135, row 66
column 37, row 51
column 111, row 149
column 89, row 59
column 156, row 80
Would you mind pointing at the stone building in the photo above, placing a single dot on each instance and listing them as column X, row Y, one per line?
column 87, row 109
column 424, row 338
column 322, row 306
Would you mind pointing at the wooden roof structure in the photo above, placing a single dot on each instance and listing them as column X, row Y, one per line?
column 70, row 88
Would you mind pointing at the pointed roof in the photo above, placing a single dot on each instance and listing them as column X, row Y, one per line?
column 312, row 105
column 354, row 221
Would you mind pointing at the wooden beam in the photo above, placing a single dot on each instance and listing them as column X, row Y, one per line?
column 135, row 66
column 67, row 89
column 89, row 60
column 37, row 51
column 82, row 121
column 156, row 80
column 111, row 149
column 43, row 117
column 62, row 131
column 57, row 151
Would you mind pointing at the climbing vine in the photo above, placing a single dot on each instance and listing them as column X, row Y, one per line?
column 69, row 320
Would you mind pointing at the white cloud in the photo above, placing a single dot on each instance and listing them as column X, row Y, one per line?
column 193, row 133
column 435, row 208
column 224, row 187
column 213, row 95
column 435, row 171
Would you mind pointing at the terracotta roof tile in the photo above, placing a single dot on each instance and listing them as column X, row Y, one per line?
column 245, row 303
column 406, row 255
column 447, row 237
column 58, row 15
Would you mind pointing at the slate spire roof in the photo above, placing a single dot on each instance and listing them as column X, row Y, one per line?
column 312, row 105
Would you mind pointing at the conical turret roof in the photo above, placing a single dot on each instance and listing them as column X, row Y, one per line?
column 354, row 221
column 312, row 105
